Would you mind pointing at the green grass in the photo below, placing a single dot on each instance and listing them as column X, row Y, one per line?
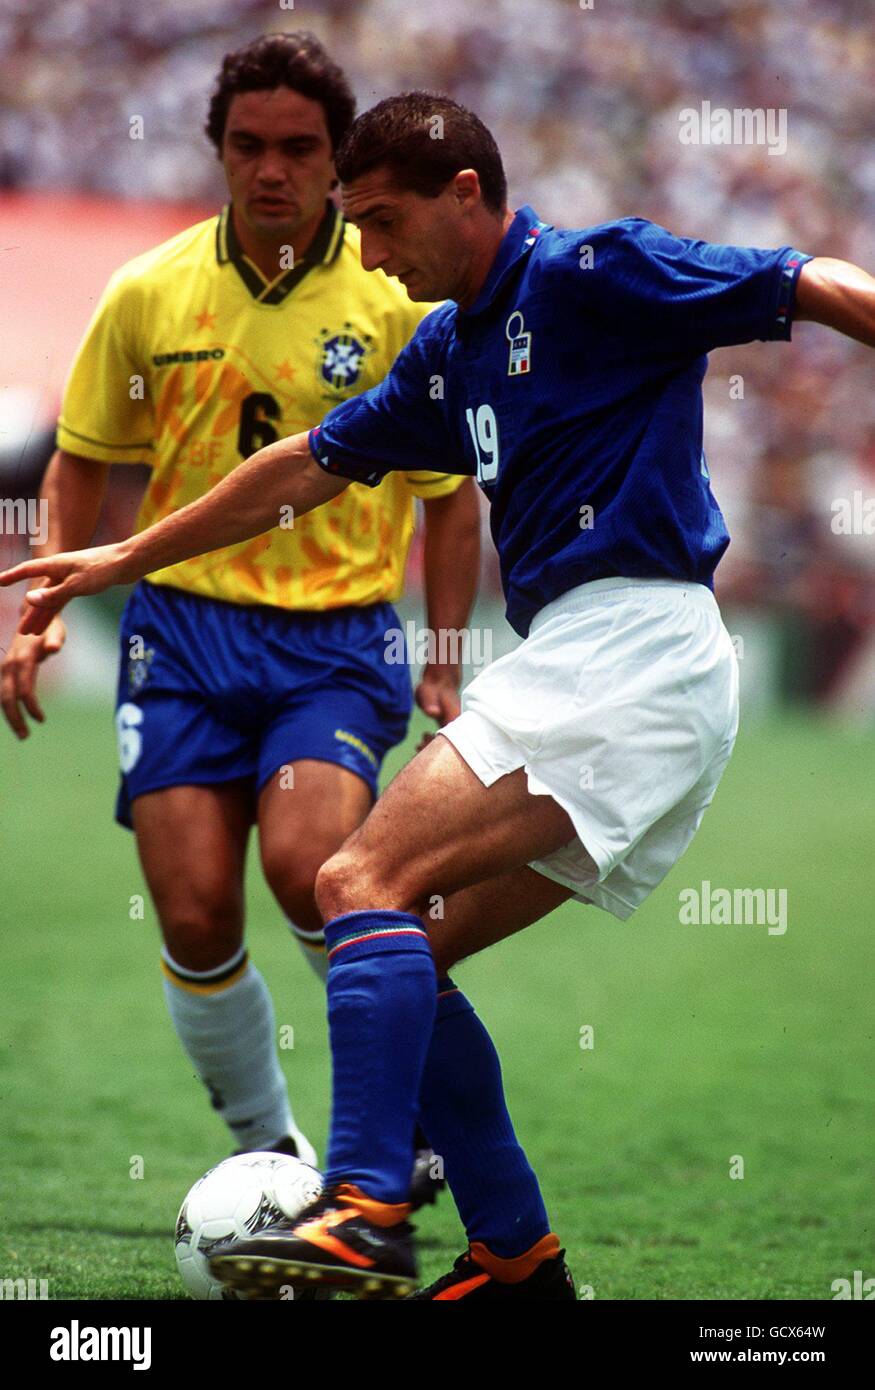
column 710, row 1041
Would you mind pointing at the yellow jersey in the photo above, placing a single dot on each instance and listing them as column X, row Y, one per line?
column 193, row 361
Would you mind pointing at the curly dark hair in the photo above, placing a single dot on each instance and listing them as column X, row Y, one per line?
column 422, row 152
column 294, row 60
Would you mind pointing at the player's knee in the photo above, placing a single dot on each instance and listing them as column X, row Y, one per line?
column 333, row 887
column 349, row 882
column 292, row 880
column 343, row 886
column 200, row 935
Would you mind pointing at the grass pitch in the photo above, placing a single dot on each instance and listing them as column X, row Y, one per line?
column 710, row 1043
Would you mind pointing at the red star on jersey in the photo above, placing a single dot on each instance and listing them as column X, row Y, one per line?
column 205, row 319
column 285, row 371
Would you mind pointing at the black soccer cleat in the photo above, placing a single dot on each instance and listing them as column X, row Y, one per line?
column 471, row 1277
column 288, row 1145
column 296, row 1145
column 343, row 1240
column 424, row 1186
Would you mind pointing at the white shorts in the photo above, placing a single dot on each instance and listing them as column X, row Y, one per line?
column 621, row 704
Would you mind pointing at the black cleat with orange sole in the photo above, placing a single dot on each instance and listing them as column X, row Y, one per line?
column 541, row 1275
column 343, row 1240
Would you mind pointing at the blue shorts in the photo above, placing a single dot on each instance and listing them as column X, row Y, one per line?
column 211, row 691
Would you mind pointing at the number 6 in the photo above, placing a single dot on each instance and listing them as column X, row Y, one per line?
column 130, row 740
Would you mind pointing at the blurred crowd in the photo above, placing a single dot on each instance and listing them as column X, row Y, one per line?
column 584, row 98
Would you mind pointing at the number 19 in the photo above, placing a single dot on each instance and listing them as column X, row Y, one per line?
column 484, row 432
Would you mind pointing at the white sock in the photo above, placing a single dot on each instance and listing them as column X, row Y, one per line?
column 312, row 944
column 224, row 1020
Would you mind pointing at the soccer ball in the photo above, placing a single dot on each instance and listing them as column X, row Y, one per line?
column 237, row 1198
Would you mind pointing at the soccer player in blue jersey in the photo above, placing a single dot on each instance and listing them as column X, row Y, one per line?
column 566, row 376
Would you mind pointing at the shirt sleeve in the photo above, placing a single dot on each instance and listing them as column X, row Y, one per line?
column 690, row 296
column 398, row 424
column 106, row 413
column 427, row 485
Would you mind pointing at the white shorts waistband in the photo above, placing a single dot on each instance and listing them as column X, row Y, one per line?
column 596, row 591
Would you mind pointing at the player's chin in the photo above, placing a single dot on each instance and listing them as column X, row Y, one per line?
column 267, row 223
column 418, row 290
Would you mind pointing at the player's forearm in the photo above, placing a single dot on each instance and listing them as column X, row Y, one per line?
column 72, row 490
column 839, row 295
column 451, row 559
column 278, row 483
column 71, row 497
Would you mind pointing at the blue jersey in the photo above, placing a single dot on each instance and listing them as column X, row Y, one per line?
column 572, row 390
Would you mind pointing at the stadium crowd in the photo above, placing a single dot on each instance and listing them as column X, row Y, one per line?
column 585, row 101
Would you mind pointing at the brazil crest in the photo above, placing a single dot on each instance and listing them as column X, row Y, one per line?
column 342, row 356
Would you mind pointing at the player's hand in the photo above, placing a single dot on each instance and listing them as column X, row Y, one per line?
column 18, row 673
column 437, row 695
column 67, row 576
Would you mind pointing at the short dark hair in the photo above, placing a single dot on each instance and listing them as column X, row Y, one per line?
column 423, row 153
column 294, row 60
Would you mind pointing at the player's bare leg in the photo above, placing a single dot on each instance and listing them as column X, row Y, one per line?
column 305, row 812
column 192, row 844
column 489, row 912
column 437, row 829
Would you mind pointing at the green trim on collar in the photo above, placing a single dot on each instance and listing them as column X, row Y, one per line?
column 324, row 248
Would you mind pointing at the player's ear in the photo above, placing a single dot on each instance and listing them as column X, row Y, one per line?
column 466, row 187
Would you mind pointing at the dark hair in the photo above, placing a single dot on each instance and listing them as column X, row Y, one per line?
column 294, row 60
column 422, row 153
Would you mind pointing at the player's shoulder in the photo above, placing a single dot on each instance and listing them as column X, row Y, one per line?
column 430, row 342
column 567, row 247
column 620, row 248
column 162, row 264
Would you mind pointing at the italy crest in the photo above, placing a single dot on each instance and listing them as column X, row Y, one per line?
column 520, row 357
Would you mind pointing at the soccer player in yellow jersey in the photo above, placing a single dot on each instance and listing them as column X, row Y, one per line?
column 253, row 684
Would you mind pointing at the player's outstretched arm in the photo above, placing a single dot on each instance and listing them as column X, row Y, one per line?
column 246, row 503
column 838, row 294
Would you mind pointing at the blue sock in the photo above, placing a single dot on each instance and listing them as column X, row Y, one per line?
column 381, row 1004
column 463, row 1112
